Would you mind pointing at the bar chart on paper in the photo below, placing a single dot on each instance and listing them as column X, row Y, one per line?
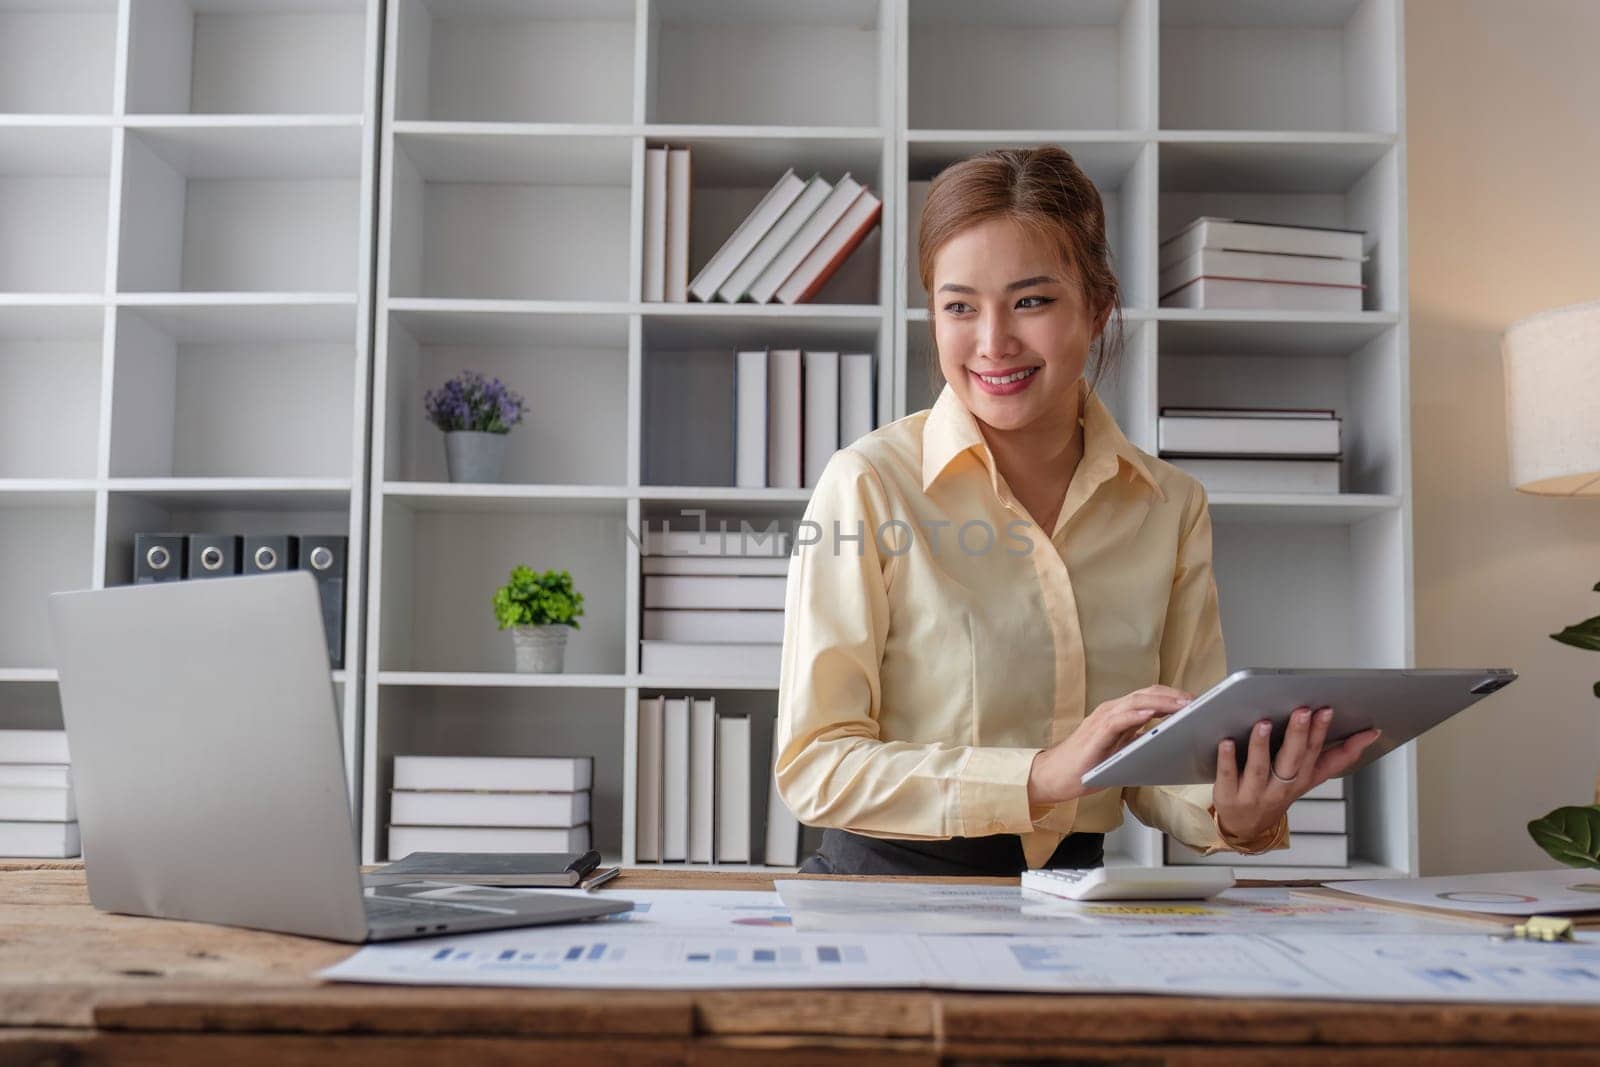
column 631, row 955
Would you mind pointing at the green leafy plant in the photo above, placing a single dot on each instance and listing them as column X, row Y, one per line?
column 1571, row 835
column 534, row 599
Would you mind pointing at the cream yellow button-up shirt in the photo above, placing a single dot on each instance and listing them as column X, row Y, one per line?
column 936, row 639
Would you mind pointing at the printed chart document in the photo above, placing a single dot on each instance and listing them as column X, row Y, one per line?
column 1428, row 967
column 1557, row 892
column 933, row 908
column 684, row 939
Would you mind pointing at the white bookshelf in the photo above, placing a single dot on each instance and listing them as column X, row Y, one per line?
column 187, row 191
column 509, row 240
column 1278, row 111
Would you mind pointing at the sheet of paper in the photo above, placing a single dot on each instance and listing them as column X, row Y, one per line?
column 684, row 939
column 988, row 909
column 1509, row 893
column 629, row 955
column 1448, row 967
column 1255, row 910
column 914, row 907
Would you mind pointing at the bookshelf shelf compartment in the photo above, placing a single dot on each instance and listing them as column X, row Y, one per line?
column 1261, row 65
column 1206, row 333
column 493, row 61
column 780, row 48
column 731, row 177
column 272, row 209
column 44, row 548
column 245, row 57
column 1363, row 386
column 441, row 568
column 1281, row 164
column 57, row 58
column 574, row 380
column 1337, row 198
column 1028, row 65
column 50, row 369
column 450, row 720
column 181, row 509
column 481, row 218
column 191, row 401
column 54, row 196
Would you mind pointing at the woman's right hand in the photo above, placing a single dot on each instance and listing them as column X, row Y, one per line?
column 1057, row 772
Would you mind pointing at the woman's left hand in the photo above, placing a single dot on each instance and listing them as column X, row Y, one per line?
column 1250, row 803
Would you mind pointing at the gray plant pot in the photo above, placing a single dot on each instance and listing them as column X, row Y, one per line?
column 540, row 649
column 474, row 456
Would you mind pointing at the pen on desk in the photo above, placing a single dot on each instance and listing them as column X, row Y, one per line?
column 599, row 877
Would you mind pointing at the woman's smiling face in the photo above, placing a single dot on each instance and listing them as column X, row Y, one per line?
column 1012, row 327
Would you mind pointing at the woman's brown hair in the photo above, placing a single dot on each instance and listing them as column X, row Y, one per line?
column 1044, row 190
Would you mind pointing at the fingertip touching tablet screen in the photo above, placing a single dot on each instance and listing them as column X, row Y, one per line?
column 1182, row 748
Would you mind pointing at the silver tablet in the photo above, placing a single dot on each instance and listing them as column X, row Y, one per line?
column 1182, row 748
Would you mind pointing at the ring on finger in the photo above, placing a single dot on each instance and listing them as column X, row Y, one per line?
column 1280, row 778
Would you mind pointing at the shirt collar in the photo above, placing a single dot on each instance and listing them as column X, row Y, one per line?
column 951, row 430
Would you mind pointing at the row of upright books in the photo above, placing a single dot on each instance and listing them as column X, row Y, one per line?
column 713, row 603
column 1229, row 263
column 1254, row 450
column 694, row 788
column 785, row 250
column 490, row 804
column 1318, row 836
column 38, row 815
column 793, row 409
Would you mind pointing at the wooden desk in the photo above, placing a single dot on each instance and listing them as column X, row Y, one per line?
column 81, row 987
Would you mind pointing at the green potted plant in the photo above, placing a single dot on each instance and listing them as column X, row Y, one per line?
column 1572, row 834
column 538, row 609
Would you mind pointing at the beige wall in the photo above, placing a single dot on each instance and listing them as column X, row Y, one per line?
column 1503, row 124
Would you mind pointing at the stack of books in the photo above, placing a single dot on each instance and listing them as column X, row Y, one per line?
column 666, row 224
column 694, row 788
column 1225, row 263
column 1254, row 450
column 38, row 818
column 786, row 249
column 793, row 410
column 713, row 603
column 490, row 804
column 1318, row 836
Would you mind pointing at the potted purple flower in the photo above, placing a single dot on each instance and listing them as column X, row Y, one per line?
column 476, row 414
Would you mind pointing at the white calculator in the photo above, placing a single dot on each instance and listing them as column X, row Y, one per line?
column 1130, row 883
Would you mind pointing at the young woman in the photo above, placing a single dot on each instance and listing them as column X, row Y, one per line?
column 991, row 596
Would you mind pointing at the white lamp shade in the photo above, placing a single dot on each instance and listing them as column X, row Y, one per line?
column 1552, row 367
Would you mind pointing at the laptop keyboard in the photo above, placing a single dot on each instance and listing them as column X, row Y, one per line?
column 394, row 909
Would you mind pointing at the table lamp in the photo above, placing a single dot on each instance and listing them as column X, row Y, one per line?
column 1552, row 365
column 1552, row 370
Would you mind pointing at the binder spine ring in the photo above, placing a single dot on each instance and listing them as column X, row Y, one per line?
column 321, row 558
column 158, row 558
column 266, row 558
column 211, row 559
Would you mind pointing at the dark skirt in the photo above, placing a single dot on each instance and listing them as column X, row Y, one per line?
column 843, row 852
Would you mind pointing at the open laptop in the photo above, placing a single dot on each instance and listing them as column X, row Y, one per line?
column 207, row 767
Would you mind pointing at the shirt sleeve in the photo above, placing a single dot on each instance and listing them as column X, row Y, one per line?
column 1193, row 659
column 832, row 767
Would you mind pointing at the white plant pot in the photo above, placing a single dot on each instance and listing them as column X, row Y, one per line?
column 540, row 649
